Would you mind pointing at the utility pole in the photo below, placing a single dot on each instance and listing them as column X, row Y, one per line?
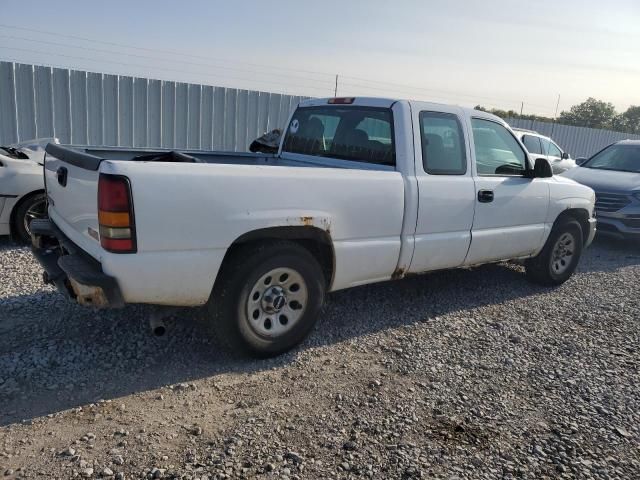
column 521, row 107
column 555, row 116
column 335, row 92
column 557, row 105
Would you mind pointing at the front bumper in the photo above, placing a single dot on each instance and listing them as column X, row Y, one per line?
column 619, row 225
column 71, row 270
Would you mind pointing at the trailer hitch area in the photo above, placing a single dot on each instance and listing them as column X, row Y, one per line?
column 89, row 296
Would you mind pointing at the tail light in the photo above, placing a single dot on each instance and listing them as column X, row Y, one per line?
column 115, row 214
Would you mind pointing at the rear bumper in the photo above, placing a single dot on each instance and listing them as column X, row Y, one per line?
column 72, row 271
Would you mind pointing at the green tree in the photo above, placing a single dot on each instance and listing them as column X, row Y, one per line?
column 504, row 114
column 628, row 121
column 591, row 113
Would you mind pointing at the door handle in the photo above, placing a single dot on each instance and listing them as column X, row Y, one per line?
column 485, row 196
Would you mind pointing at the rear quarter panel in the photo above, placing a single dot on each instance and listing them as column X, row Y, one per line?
column 187, row 216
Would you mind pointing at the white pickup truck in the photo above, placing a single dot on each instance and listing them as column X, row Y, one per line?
column 362, row 190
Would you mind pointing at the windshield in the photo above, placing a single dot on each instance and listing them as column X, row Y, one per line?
column 620, row 157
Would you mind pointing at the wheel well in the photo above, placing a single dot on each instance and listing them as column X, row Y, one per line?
column 579, row 214
column 315, row 240
column 12, row 217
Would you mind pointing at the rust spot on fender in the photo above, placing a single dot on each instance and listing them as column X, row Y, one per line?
column 397, row 274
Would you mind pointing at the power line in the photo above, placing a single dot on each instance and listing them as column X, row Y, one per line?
column 424, row 92
column 156, row 50
column 406, row 88
column 40, row 52
column 423, row 89
column 326, row 83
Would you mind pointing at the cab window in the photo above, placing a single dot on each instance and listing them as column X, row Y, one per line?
column 532, row 143
column 359, row 134
column 443, row 150
column 551, row 148
column 497, row 151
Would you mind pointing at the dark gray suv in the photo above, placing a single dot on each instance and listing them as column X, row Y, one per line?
column 614, row 174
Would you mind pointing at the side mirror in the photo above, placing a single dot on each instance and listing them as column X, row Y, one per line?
column 542, row 168
column 565, row 156
column 580, row 160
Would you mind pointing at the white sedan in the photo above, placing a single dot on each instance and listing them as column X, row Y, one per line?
column 22, row 195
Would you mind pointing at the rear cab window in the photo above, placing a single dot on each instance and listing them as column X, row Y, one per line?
column 354, row 133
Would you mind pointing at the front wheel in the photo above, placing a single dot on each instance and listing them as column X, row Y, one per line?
column 267, row 299
column 560, row 256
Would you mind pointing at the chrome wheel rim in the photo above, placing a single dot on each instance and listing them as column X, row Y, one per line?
column 277, row 302
column 563, row 252
column 36, row 210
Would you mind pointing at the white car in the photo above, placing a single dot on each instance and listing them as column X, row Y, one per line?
column 22, row 197
column 362, row 190
column 542, row 146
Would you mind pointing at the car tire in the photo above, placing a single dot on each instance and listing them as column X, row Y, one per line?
column 267, row 298
column 31, row 207
column 559, row 258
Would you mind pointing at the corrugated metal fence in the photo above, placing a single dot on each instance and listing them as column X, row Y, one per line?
column 578, row 141
column 86, row 108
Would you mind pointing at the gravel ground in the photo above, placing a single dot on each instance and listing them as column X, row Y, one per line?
column 462, row 374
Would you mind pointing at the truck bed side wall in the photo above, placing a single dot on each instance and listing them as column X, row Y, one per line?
column 187, row 216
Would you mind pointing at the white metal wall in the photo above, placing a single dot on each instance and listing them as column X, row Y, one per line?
column 86, row 108
column 578, row 141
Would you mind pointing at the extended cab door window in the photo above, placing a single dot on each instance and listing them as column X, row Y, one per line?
column 359, row 134
column 443, row 151
column 497, row 150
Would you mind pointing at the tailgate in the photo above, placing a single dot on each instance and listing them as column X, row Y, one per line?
column 71, row 181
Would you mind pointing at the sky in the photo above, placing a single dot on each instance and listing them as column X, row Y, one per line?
column 497, row 53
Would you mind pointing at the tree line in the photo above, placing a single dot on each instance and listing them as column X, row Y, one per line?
column 591, row 113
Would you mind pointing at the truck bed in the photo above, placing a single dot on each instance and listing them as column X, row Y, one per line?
column 188, row 214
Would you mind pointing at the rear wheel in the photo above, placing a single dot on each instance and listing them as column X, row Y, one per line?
column 267, row 299
column 31, row 208
column 560, row 256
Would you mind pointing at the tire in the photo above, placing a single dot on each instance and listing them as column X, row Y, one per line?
column 31, row 207
column 267, row 299
column 559, row 258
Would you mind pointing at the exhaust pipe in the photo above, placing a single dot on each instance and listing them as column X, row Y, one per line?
column 157, row 318
column 157, row 325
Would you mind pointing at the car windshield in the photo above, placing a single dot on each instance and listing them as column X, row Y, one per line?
column 620, row 157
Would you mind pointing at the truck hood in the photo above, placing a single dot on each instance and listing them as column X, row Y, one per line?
column 604, row 180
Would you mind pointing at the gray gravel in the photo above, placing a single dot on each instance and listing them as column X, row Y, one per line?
column 461, row 374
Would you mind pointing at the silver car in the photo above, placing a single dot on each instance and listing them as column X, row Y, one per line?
column 543, row 147
column 614, row 174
